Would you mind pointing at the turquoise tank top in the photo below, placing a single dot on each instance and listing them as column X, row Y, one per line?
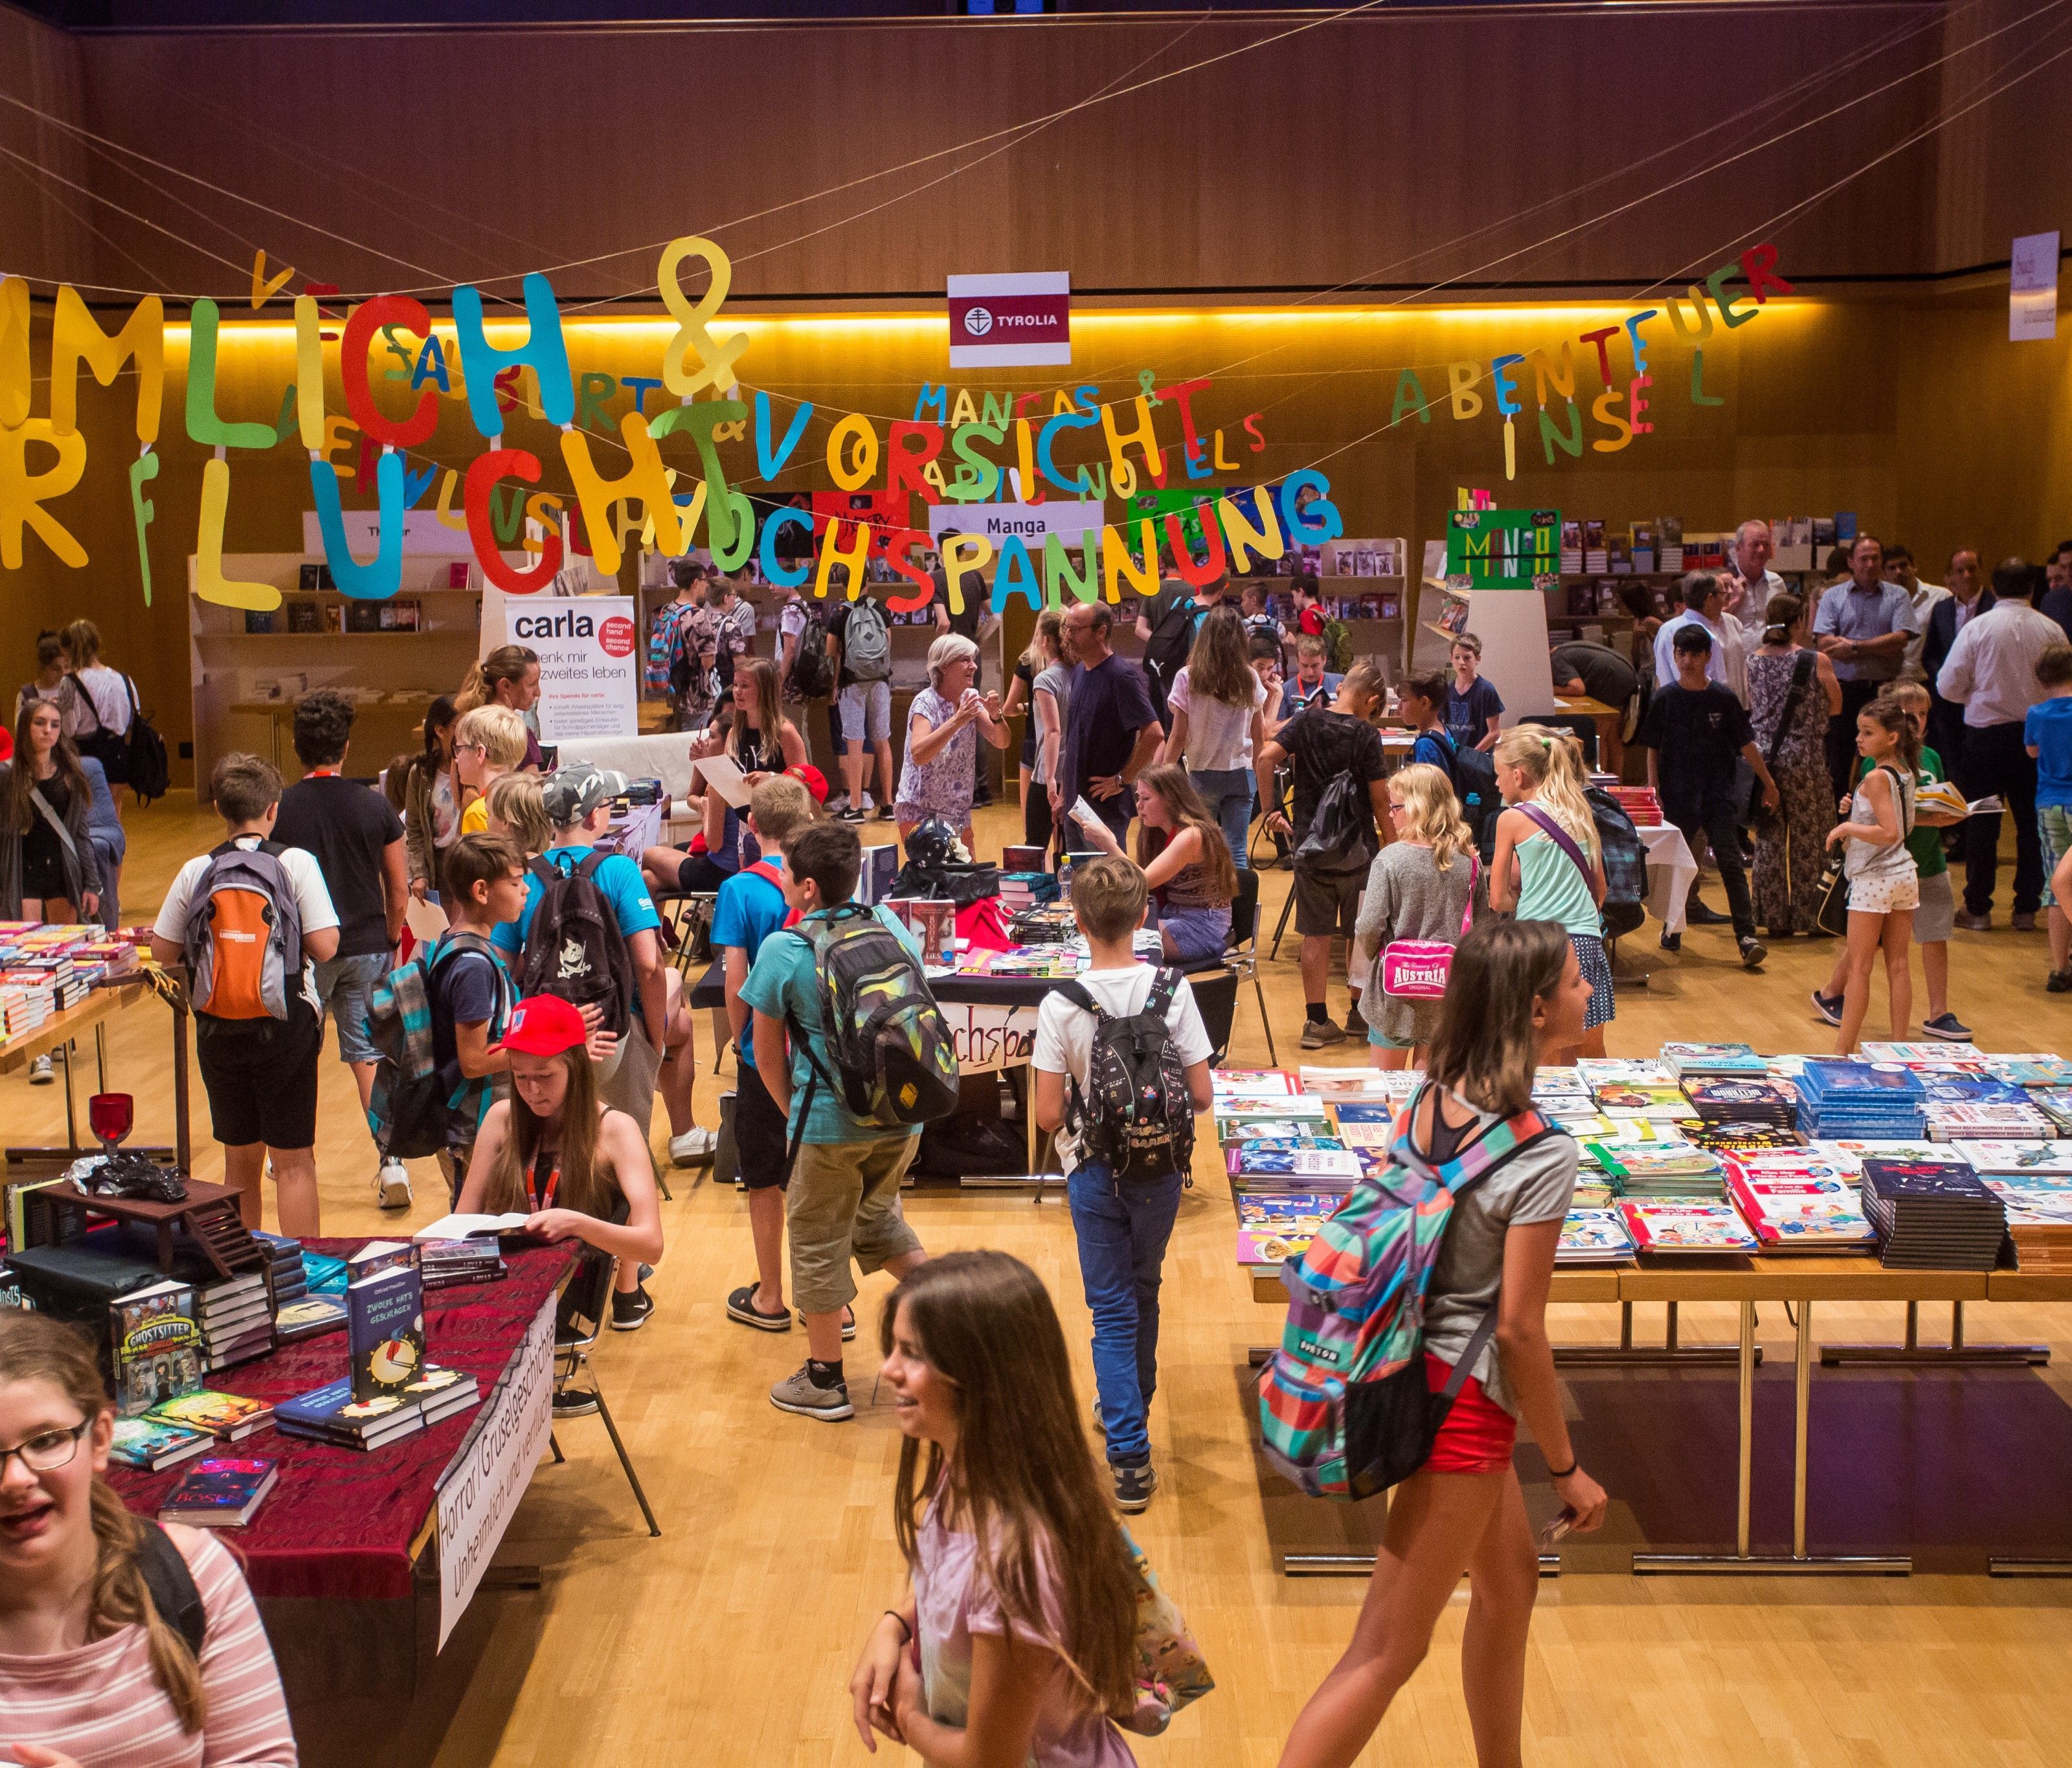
column 1552, row 888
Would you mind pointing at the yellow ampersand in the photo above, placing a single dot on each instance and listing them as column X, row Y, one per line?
column 717, row 355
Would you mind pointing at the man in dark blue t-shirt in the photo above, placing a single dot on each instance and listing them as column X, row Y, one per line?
column 1112, row 728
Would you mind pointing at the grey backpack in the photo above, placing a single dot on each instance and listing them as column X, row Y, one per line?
column 866, row 642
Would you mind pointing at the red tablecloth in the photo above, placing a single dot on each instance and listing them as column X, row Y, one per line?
column 340, row 1522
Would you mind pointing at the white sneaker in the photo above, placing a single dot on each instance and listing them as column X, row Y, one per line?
column 391, row 1186
column 40, row 1072
column 694, row 1148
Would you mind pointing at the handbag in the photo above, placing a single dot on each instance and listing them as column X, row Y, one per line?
column 1417, row 969
column 1802, row 676
column 1831, row 915
column 1171, row 1672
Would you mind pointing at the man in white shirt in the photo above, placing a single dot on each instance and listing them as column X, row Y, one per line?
column 1703, row 596
column 1991, row 670
column 1899, row 568
column 1750, row 581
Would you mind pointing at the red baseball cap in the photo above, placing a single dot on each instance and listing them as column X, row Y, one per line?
column 811, row 778
column 543, row 1025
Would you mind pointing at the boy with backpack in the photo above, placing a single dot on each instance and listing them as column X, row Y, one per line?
column 357, row 840
column 471, row 994
column 869, row 1060
column 1422, row 705
column 751, row 906
column 250, row 919
column 859, row 647
column 1122, row 1065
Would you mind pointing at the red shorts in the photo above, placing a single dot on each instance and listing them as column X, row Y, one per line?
column 1478, row 1434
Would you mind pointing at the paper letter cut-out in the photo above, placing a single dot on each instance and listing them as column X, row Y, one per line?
column 22, row 493
column 367, row 317
column 716, row 356
column 383, row 577
column 204, row 425
column 544, row 352
column 75, row 337
column 146, row 466
column 483, row 473
column 643, row 479
column 210, row 585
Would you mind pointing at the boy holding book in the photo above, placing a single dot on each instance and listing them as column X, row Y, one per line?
column 842, row 1202
column 257, row 1035
column 472, row 993
column 1122, row 1225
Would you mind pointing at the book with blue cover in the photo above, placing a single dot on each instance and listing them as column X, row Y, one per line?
column 221, row 1492
column 332, row 1414
column 1827, row 1077
column 385, row 1331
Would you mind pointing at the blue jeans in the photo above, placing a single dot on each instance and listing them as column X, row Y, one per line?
column 1122, row 1230
column 1228, row 792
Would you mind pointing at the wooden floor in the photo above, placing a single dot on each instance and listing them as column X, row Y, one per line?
column 731, row 1639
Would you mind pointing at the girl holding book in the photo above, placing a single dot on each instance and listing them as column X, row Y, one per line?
column 1885, row 886
column 1186, row 863
column 574, row 1168
column 1016, row 1641
column 1547, row 866
column 1418, row 888
column 1516, row 999
column 1218, row 706
column 91, row 1674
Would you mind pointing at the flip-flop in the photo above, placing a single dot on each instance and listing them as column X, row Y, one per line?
column 741, row 1305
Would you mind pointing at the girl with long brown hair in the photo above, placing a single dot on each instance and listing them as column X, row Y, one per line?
column 1186, row 862
column 1515, row 998
column 1218, row 703
column 91, row 1675
column 1017, row 1643
column 574, row 1168
column 763, row 742
column 508, row 676
column 48, row 868
column 431, row 804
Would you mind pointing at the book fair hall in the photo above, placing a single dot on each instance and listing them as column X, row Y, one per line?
column 1035, row 883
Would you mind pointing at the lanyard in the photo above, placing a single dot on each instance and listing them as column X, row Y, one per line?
column 553, row 1184
column 321, row 773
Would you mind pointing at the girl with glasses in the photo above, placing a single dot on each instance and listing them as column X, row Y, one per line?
column 1418, row 888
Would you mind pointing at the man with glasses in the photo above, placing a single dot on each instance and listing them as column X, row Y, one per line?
column 1112, row 728
column 1864, row 626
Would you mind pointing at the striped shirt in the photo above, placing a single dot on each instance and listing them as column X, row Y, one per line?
column 100, row 1704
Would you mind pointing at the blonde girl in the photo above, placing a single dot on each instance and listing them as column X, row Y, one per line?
column 1547, row 866
column 1884, row 887
column 1418, row 888
column 1186, row 864
column 508, row 676
column 1016, row 1641
column 488, row 743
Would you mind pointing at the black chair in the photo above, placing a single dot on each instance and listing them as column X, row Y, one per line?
column 1242, row 954
column 586, row 1304
column 1216, row 998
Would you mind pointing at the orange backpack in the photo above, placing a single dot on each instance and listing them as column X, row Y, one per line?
column 245, row 935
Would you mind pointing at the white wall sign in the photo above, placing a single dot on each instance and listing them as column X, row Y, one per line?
column 1016, row 320
column 2032, row 289
column 590, row 661
column 423, row 531
column 481, row 1487
column 1029, row 522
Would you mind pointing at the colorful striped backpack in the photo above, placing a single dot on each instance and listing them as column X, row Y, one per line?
column 1343, row 1404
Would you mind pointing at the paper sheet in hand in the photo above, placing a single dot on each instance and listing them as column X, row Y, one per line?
column 1084, row 813
column 725, row 777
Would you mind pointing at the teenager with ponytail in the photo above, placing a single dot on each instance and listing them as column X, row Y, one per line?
column 508, row 676
column 91, row 1674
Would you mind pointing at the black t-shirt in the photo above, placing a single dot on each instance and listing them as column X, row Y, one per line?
column 1322, row 744
column 1110, row 704
column 1696, row 737
column 346, row 825
column 976, row 598
column 1606, row 675
column 837, row 621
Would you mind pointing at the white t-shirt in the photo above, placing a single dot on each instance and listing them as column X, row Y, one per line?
column 1065, row 1033
column 313, row 902
column 108, row 689
column 1219, row 736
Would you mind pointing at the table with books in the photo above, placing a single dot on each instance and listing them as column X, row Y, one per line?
column 336, row 1504
column 1931, row 1172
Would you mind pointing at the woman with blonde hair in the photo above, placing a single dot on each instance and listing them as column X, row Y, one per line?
column 1547, row 866
column 1050, row 693
column 92, row 1674
column 1186, row 864
column 489, row 742
column 508, row 676
column 1218, row 704
column 515, row 812
column 942, row 739
column 1420, row 886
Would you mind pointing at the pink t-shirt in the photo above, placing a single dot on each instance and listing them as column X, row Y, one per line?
column 101, row 1705
column 953, row 1600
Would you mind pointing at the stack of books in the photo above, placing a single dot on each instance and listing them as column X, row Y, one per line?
column 1984, row 1120
column 1933, row 1216
column 2055, row 1103
column 1366, row 1124
column 447, row 1264
column 1020, row 890
column 1593, row 1236
column 1843, row 1098
column 1640, row 804
column 2039, row 1219
column 1368, row 1084
column 1274, row 1227
column 27, row 1000
column 1267, row 1164
column 1683, row 1060
column 291, row 1277
column 236, row 1322
column 1677, row 1170
column 1755, row 1099
column 1791, row 1213
column 1679, row 1227
column 1663, row 1100
column 330, row 1414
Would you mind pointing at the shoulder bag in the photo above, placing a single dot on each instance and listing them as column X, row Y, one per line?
column 1802, row 677
column 1418, row 969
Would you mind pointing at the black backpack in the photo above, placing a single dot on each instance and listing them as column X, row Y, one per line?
column 575, row 949
column 812, row 670
column 1475, row 777
column 1625, row 858
column 895, row 1064
column 173, row 1591
column 1341, row 833
column 1165, row 651
column 1134, row 1114
column 146, row 767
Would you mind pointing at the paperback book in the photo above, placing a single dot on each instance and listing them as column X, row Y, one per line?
column 1593, row 1236
column 1682, row 1227
column 230, row 1416
column 221, row 1492
column 385, row 1330
column 146, row 1443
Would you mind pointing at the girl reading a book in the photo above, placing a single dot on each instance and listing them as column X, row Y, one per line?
column 1517, row 995
column 574, row 1168
column 91, row 1675
column 1016, row 1641
column 1187, row 865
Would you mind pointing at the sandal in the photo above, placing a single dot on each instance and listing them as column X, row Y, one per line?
column 741, row 1305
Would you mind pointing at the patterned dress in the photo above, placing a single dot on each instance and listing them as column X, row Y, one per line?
column 1790, row 853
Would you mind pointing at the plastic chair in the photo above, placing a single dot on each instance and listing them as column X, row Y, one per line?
column 591, row 1288
column 1241, row 955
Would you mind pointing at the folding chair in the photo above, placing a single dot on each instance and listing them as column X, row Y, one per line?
column 1241, row 955
column 573, row 1343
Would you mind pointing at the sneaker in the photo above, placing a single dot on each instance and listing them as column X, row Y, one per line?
column 1948, row 1027
column 1698, row 914
column 1754, row 951
column 1355, row 1022
column 574, row 1403
column 849, row 1324
column 887, row 814
column 629, row 1312
column 2023, row 921
column 694, row 1148
column 835, row 805
column 1134, row 1488
column 1671, row 942
column 2058, row 982
column 1974, row 923
column 741, row 1305
column 40, row 1072
column 1317, row 1033
column 1828, row 1007
column 391, row 1186
column 853, row 814
column 797, row 1393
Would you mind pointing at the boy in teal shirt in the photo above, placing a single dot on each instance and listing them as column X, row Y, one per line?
column 2046, row 734
column 842, row 1202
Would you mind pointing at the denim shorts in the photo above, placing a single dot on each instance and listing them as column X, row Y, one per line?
column 343, row 985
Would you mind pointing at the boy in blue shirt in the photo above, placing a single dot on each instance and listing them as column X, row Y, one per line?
column 1474, row 708
column 2046, row 733
column 751, row 906
column 843, row 1199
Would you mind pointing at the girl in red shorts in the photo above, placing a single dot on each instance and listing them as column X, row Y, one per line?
column 1516, row 993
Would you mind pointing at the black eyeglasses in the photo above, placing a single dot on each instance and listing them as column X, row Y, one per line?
column 48, row 1450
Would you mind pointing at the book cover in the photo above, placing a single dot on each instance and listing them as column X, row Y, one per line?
column 1686, row 1227
column 146, row 1443
column 229, row 1416
column 332, row 1411
column 1593, row 1236
column 1251, row 1157
column 376, row 1256
column 219, row 1492
column 385, row 1331
column 1284, row 1209
column 309, row 1317
column 2013, row 1155
column 154, row 1347
column 1253, row 1083
column 1273, row 1246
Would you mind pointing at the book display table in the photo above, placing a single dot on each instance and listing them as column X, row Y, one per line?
column 360, row 1588
column 54, row 1038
